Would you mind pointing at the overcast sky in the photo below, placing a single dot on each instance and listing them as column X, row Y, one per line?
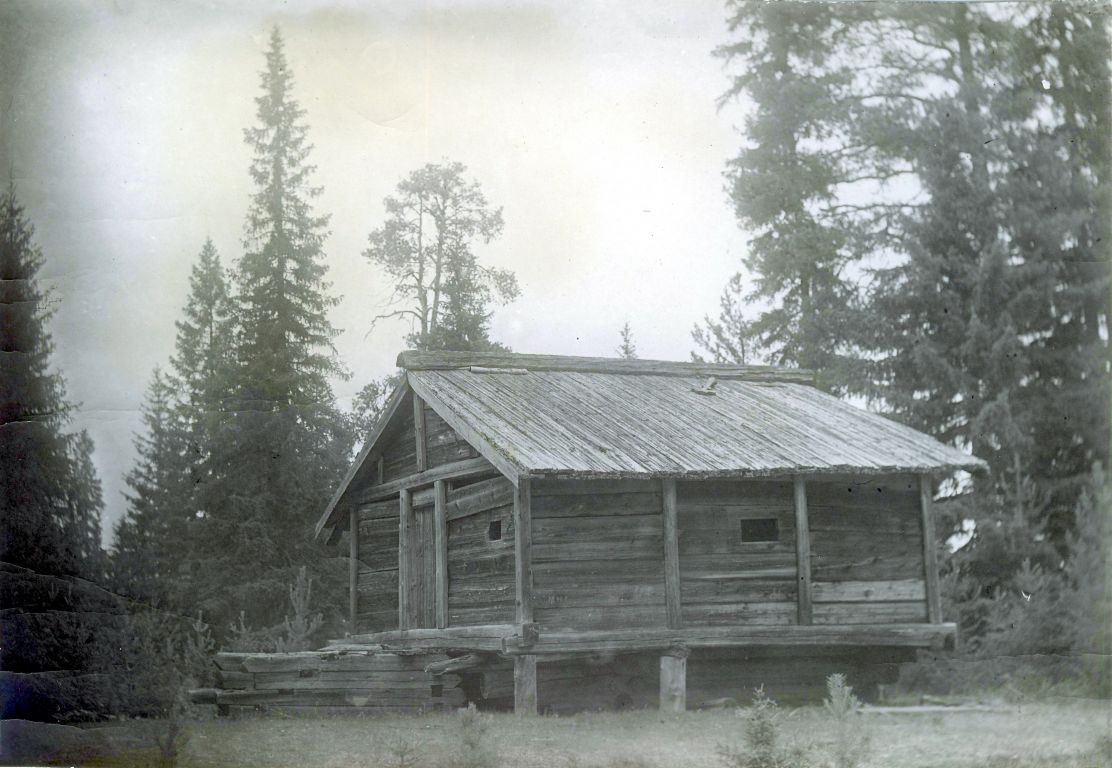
column 593, row 124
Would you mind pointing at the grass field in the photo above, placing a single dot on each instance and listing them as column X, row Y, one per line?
column 1066, row 734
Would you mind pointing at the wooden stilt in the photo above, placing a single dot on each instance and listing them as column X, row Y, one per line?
column 525, row 685
column 673, row 680
column 353, row 570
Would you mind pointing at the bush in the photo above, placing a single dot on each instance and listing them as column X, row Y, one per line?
column 851, row 740
column 475, row 751
column 762, row 748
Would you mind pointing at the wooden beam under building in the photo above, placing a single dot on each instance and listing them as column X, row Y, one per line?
column 525, row 685
column 802, row 552
column 930, row 561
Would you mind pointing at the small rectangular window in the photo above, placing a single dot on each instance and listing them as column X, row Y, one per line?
column 760, row 529
column 494, row 530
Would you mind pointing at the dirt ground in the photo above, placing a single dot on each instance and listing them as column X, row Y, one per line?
column 1054, row 734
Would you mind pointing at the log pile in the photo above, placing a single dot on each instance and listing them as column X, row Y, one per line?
column 323, row 682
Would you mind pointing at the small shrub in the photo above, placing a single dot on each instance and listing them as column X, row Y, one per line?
column 762, row 748
column 475, row 749
column 851, row 741
column 403, row 754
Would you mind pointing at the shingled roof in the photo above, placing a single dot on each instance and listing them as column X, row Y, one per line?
column 532, row 415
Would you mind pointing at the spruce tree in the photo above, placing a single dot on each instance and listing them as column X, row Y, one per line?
column 626, row 348
column 50, row 498
column 151, row 540
column 282, row 445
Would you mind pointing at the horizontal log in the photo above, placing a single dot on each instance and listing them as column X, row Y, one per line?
column 600, row 504
column 701, row 591
column 543, row 487
column 460, row 663
column 234, row 680
column 869, row 591
column 453, row 471
column 739, row 613
column 870, row 613
column 630, row 640
column 601, row 617
column 479, row 497
column 486, row 637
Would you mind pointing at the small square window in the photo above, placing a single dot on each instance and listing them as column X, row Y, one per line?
column 760, row 529
column 494, row 530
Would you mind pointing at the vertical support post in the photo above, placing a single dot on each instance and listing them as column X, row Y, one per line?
column 802, row 552
column 440, row 513
column 930, row 562
column 419, row 430
column 353, row 570
column 523, row 551
column 405, row 525
column 525, row 685
column 380, row 470
column 673, row 680
column 672, row 597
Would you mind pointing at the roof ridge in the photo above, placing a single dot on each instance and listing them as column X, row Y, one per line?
column 415, row 360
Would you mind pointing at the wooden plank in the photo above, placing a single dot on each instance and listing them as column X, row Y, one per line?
column 802, row 552
column 479, row 497
column 420, row 431
column 453, row 471
column 930, row 561
column 525, row 685
column 405, row 523
column 871, row 613
column 869, row 591
column 673, row 684
column 523, row 556
column 441, row 532
column 353, row 569
column 672, row 595
column 507, row 466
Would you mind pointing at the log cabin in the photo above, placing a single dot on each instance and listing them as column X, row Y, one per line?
column 696, row 526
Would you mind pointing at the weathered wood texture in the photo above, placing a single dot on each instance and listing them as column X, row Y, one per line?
column 480, row 571
column 672, row 594
column 597, row 550
column 443, row 444
column 525, row 685
column 724, row 579
column 930, row 557
column 399, row 447
column 802, row 552
column 673, row 684
column 377, row 582
column 440, row 535
column 421, row 569
column 867, row 551
column 420, row 443
column 365, row 680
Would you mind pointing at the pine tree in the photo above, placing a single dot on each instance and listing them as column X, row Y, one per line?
column 783, row 183
column 425, row 247
column 282, row 445
column 50, row 498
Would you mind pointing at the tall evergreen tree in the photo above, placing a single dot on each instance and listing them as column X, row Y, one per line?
column 426, row 248
column 282, row 444
column 783, row 183
column 50, row 498
column 150, row 542
column 626, row 348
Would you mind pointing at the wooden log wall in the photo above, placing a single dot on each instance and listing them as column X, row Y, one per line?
column 399, row 450
column 480, row 571
column 598, row 554
column 377, row 603
column 724, row 580
column 444, row 445
column 867, row 551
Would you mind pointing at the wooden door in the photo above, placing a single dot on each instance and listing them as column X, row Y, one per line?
column 422, row 570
